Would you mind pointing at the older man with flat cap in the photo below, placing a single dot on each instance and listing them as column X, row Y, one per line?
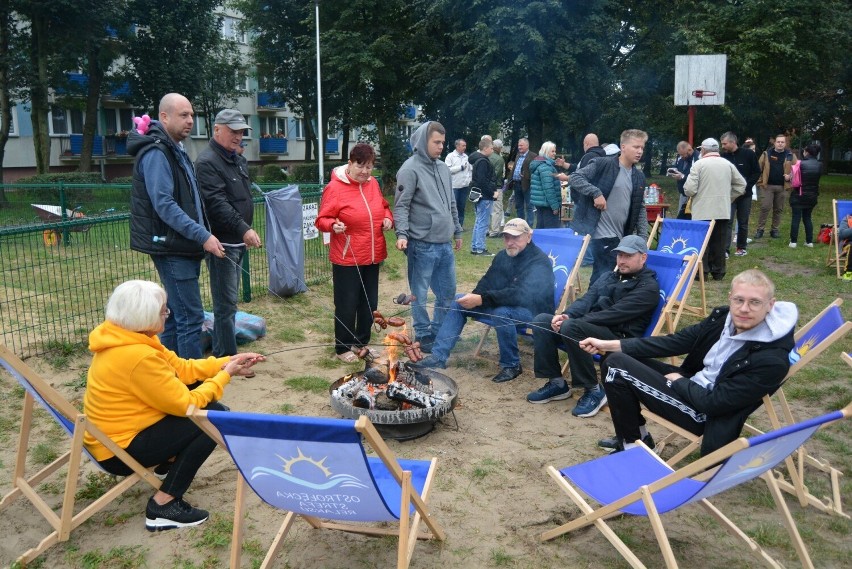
column 618, row 305
column 225, row 186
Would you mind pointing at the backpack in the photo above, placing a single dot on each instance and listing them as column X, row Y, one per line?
column 796, row 176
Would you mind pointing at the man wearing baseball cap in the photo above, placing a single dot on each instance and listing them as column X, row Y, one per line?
column 518, row 284
column 618, row 305
column 713, row 183
column 225, row 186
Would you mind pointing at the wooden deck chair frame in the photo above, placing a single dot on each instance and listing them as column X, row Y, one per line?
column 836, row 255
column 698, row 270
column 699, row 471
column 408, row 531
column 37, row 390
column 795, row 465
column 569, row 292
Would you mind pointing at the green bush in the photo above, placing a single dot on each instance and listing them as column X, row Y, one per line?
column 272, row 173
column 307, row 171
column 122, row 180
column 840, row 167
column 51, row 194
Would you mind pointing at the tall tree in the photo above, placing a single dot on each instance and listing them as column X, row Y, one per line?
column 11, row 72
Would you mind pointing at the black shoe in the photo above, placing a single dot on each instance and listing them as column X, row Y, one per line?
column 718, row 276
column 775, row 234
column 758, row 234
column 483, row 253
column 426, row 343
column 174, row 514
column 615, row 444
column 507, row 374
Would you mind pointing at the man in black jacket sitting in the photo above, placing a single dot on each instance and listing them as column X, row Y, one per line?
column 518, row 284
column 735, row 356
column 618, row 305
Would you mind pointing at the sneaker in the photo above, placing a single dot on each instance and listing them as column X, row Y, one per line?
column 727, row 255
column 741, row 253
column 426, row 343
column 614, row 443
column 847, row 276
column 507, row 374
column 483, row 253
column 175, row 514
column 749, row 239
column 758, row 234
column 792, row 245
column 590, row 403
column 549, row 392
column 775, row 234
column 430, row 362
column 811, row 245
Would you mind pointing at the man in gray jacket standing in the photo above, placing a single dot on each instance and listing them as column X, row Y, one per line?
column 427, row 229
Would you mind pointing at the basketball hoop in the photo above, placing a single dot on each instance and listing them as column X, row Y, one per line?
column 700, row 94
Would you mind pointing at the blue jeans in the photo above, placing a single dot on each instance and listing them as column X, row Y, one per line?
column 430, row 265
column 179, row 276
column 480, row 226
column 522, row 203
column 461, row 195
column 224, row 288
column 603, row 255
column 506, row 319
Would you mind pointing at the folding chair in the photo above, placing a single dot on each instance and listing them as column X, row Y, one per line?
column 637, row 482
column 566, row 250
column 672, row 274
column 811, row 340
column 75, row 425
column 837, row 253
column 317, row 468
column 685, row 237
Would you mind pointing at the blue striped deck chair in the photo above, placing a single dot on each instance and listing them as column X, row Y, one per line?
column 812, row 339
column 685, row 237
column 565, row 250
column 317, row 469
column 837, row 251
column 637, row 482
column 74, row 424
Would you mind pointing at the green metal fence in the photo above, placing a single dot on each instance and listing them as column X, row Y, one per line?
column 63, row 248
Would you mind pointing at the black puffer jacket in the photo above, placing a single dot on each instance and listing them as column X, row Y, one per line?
column 622, row 303
column 806, row 196
column 756, row 369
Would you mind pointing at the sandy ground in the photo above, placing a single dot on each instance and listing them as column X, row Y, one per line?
column 492, row 494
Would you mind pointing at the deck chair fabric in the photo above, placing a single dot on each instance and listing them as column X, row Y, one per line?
column 837, row 250
column 75, row 425
column 639, row 483
column 685, row 237
column 297, row 464
column 811, row 340
column 566, row 250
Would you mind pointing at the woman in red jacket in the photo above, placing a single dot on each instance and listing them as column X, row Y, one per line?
column 354, row 211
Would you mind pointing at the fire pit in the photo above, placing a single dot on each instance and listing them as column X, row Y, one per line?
column 402, row 401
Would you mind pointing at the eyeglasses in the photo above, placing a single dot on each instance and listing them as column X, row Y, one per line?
column 166, row 313
column 753, row 303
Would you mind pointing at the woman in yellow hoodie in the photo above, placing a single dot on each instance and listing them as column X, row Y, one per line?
column 138, row 393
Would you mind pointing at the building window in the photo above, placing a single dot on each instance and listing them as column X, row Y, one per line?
column 247, row 132
column 299, row 129
column 242, row 81
column 13, row 128
column 65, row 121
column 199, row 127
column 273, row 127
column 231, row 30
column 118, row 121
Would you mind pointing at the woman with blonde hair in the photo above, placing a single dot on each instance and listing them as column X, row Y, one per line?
column 545, row 190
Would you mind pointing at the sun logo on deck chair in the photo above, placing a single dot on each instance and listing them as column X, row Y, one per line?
column 557, row 268
column 799, row 351
column 304, row 470
column 680, row 246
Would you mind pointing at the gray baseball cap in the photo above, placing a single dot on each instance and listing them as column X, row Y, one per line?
column 631, row 244
column 233, row 119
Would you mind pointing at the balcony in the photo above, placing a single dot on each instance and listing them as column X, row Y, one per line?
column 332, row 146
column 273, row 146
column 102, row 147
column 270, row 102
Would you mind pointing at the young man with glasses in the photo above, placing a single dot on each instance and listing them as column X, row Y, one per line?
column 734, row 357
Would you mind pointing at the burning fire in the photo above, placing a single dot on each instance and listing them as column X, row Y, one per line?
column 392, row 348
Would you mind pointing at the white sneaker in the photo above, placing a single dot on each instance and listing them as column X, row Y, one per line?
column 792, row 245
column 811, row 245
column 749, row 239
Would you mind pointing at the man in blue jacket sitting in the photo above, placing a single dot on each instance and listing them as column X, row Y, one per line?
column 518, row 284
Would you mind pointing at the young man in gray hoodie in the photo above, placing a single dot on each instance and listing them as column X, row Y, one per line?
column 735, row 356
column 428, row 229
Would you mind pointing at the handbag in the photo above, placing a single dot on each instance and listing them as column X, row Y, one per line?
column 475, row 195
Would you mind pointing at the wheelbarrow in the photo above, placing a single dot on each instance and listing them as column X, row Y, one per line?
column 53, row 214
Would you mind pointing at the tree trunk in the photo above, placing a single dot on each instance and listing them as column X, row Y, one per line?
column 664, row 161
column 388, row 177
column 647, row 157
column 5, row 99
column 38, row 93
column 93, row 95
column 344, row 143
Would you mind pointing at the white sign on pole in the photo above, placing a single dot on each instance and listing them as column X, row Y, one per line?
column 309, row 218
column 700, row 80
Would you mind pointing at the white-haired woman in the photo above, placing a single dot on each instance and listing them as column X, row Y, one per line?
column 545, row 190
column 138, row 393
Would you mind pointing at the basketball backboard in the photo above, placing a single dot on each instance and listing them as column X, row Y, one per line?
column 700, row 80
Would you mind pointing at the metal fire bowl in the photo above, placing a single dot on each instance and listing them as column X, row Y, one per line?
column 402, row 418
